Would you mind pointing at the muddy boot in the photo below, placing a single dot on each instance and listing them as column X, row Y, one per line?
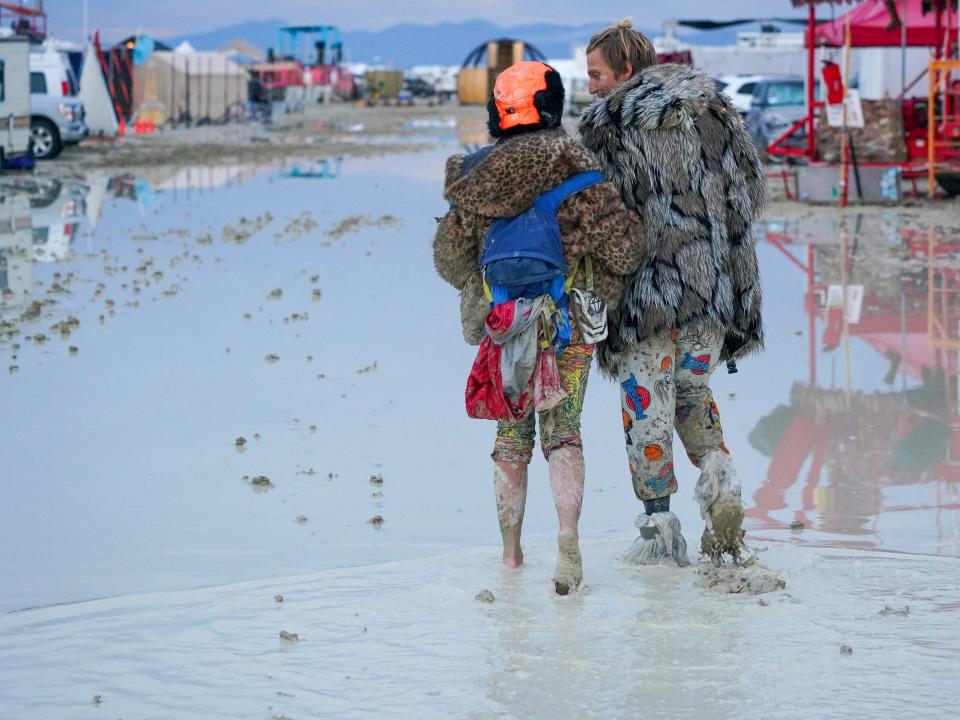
column 566, row 483
column 718, row 494
column 660, row 538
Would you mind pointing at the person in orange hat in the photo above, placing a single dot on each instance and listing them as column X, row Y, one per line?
column 533, row 157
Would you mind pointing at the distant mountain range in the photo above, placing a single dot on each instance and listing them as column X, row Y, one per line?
column 403, row 46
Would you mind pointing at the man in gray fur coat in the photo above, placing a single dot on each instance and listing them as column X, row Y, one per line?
column 682, row 159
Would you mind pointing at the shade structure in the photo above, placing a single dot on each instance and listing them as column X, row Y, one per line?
column 869, row 22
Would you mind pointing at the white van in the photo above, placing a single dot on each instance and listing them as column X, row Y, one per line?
column 14, row 98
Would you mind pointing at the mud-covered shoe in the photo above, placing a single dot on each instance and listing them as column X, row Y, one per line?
column 660, row 541
column 718, row 494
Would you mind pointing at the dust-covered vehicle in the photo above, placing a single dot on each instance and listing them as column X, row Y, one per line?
column 56, row 112
column 777, row 103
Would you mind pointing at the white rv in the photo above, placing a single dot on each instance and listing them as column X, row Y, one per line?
column 14, row 97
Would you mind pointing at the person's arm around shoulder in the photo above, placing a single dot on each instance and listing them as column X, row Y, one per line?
column 456, row 244
column 614, row 235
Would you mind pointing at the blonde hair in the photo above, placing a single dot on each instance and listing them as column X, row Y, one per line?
column 621, row 45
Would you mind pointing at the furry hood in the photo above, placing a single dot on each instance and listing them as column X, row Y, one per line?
column 515, row 172
column 660, row 97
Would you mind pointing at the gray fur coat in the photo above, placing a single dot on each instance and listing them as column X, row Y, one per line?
column 681, row 156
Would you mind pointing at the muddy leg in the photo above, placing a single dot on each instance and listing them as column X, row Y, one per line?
column 566, row 482
column 510, row 486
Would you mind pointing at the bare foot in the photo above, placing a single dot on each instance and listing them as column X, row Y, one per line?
column 513, row 558
column 569, row 573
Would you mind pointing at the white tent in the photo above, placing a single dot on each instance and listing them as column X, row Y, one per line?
column 182, row 85
column 100, row 118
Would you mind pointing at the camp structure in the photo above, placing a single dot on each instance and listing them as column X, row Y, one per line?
column 278, row 84
column 189, row 86
column 101, row 117
column 485, row 62
column 14, row 97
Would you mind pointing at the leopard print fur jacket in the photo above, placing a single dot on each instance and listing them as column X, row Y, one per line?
column 505, row 183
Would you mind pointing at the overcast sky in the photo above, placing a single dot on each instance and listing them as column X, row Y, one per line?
column 165, row 18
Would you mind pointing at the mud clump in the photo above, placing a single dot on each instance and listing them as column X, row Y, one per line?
column 32, row 312
column 902, row 612
column 355, row 222
column 65, row 327
column 261, row 484
column 750, row 578
column 246, row 228
column 484, row 596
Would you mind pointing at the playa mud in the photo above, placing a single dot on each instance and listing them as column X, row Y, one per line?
column 184, row 315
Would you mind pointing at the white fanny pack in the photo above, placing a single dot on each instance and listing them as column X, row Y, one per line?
column 589, row 309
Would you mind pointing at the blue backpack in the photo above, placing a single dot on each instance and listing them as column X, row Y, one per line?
column 523, row 255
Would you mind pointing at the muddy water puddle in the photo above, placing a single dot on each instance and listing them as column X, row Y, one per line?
column 148, row 321
column 860, row 442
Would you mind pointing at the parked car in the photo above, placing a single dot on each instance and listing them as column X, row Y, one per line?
column 739, row 88
column 418, row 87
column 57, row 114
column 777, row 103
column 578, row 96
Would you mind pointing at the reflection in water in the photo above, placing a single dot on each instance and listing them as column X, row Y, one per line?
column 16, row 243
column 326, row 169
column 848, row 440
column 41, row 219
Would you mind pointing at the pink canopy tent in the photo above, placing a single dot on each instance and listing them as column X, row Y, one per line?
column 869, row 22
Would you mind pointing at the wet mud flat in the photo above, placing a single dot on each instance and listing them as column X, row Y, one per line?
column 332, row 130
column 457, row 634
column 248, row 370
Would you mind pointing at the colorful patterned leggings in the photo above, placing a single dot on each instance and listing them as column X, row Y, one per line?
column 559, row 426
column 664, row 383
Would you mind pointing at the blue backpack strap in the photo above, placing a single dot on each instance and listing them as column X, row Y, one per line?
column 475, row 158
column 550, row 200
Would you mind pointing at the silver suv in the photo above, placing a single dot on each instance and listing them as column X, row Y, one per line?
column 777, row 103
column 56, row 113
